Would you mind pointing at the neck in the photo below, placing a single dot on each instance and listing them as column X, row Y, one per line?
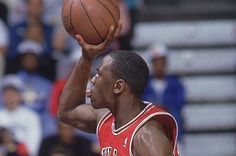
column 161, row 76
column 126, row 109
column 34, row 20
column 11, row 108
column 68, row 140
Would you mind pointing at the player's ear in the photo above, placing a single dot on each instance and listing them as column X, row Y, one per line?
column 119, row 86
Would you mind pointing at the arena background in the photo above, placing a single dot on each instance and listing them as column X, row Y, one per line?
column 202, row 37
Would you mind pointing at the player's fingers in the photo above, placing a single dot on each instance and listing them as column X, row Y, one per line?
column 80, row 40
column 110, row 36
column 118, row 30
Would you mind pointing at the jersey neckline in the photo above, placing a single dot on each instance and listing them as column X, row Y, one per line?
column 122, row 128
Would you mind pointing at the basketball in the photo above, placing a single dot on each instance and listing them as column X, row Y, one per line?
column 90, row 18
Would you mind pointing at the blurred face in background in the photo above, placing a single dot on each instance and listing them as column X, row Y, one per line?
column 5, row 136
column 35, row 9
column 159, row 67
column 29, row 62
column 11, row 97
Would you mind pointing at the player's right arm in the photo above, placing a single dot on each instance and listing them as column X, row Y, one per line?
column 72, row 109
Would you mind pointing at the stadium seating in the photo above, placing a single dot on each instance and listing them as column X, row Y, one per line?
column 201, row 36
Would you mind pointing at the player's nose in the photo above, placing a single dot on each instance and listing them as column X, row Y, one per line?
column 93, row 80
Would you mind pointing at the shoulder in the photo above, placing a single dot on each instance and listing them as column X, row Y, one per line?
column 48, row 28
column 151, row 140
column 173, row 78
column 47, row 24
column 147, row 129
column 42, row 82
column 3, row 114
column 2, row 110
column 19, row 25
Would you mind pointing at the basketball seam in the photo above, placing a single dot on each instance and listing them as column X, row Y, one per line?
column 90, row 20
column 108, row 11
column 73, row 31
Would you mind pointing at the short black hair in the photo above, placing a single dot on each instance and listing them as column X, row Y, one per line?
column 132, row 68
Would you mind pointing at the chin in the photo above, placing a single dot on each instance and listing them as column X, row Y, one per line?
column 96, row 106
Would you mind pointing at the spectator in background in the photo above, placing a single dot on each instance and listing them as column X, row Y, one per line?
column 16, row 11
column 60, row 151
column 34, row 32
column 4, row 37
column 124, row 40
column 52, row 10
column 10, row 147
column 3, row 46
column 4, row 12
column 21, row 121
column 37, row 91
column 165, row 89
column 134, row 7
column 18, row 32
column 67, row 140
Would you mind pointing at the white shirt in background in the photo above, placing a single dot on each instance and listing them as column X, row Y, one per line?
column 25, row 126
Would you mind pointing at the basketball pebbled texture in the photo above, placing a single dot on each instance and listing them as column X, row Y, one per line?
column 90, row 18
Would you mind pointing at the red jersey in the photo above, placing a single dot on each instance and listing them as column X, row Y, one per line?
column 118, row 142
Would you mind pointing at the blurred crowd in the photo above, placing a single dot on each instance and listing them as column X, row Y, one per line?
column 36, row 56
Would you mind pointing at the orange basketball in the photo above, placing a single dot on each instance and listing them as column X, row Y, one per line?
column 90, row 18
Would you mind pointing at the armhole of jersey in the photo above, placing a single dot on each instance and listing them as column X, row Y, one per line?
column 144, row 121
column 101, row 121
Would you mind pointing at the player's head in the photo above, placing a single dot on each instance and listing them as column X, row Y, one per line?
column 11, row 88
column 130, row 67
column 29, row 52
column 120, row 73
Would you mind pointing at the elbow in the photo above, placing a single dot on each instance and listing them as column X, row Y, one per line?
column 62, row 117
column 61, row 114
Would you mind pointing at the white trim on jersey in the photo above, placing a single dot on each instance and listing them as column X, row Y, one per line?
column 124, row 127
column 100, row 122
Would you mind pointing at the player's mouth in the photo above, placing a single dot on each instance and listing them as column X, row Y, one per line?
column 89, row 94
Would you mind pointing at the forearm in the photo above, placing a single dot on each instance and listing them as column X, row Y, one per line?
column 73, row 93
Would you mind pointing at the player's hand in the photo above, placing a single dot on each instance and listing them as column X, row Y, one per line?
column 90, row 51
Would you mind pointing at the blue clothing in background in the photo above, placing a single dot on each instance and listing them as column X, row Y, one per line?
column 17, row 35
column 133, row 4
column 172, row 99
column 37, row 95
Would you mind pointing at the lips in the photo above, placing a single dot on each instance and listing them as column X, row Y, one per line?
column 88, row 93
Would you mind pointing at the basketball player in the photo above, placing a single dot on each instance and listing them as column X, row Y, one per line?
column 125, row 125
